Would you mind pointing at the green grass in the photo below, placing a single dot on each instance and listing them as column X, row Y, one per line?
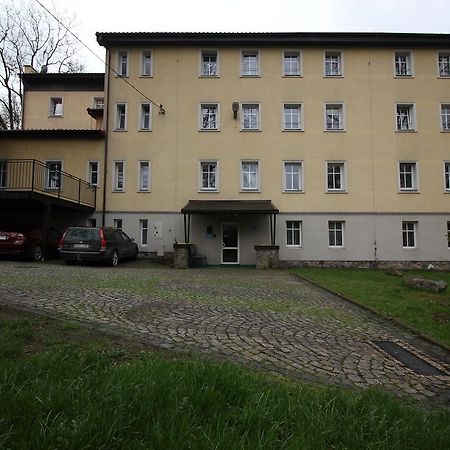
column 427, row 312
column 81, row 390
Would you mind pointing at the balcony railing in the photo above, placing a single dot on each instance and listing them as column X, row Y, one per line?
column 31, row 175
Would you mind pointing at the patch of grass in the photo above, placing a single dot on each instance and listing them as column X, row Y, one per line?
column 427, row 312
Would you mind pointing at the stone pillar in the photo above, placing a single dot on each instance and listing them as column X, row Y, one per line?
column 181, row 256
column 267, row 256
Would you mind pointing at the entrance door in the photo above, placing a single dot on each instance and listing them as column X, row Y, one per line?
column 230, row 243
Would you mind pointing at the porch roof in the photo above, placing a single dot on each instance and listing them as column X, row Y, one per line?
column 230, row 206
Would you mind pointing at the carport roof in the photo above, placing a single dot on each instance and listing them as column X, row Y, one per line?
column 230, row 206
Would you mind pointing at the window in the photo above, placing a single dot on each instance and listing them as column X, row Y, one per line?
column 446, row 176
column 291, row 64
column 444, row 64
column 292, row 117
column 208, row 176
column 333, row 64
column 249, row 63
column 54, row 169
column 334, row 117
column 408, row 176
column 249, row 175
column 335, row 176
column 145, row 117
column 122, row 64
column 56, row 107
column 293, row 176
column 117, row 223
column 143, row 225
column 92, row 222
column 121, row 116
column 93, row 173
column 3, row 174
column 403, row 64
column 293, row 233
column 448, row 234
column 119, row 176
column 335, row 234
column 209, row 63
column 99, row 102
column 405, row 117
column 409, row 234
column 146, row 63
column 445, row 117
column 209, row 117
column 144, row 176
column 250, row 117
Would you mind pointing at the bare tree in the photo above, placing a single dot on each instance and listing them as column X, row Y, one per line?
column 30, row 36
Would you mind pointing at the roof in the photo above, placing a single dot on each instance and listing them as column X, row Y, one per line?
column 63, row 81
column 230, row 206
column 281, row 38
column 62, row 134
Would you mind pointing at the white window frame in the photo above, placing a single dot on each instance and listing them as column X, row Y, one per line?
column 54, row 183
column 342, row 174
column 208, row 188
column 98, row 103
column 251, row 172
column 118, row 117
column 142, row 126
column 333, row 228
column 294, row 189
column 116, row 186
column 143, row 232
column 52, row 108
column 207, row 65
column 118, row 224
column 403, row 68
column 341, row 116
column 339, row 71
column 245, row 107
column 209, row 105
column 92, row 222
column 447, row 177
column 298, row 55
column 410, row 117
column 403, row 176
column 144, row 54
column 443, row 67
column 293, row 230
column 293, row 105
column 120, row 55
column 250, row 73
column 141, row 180
column 91, row 172
column 445, row 117
column 409, row 227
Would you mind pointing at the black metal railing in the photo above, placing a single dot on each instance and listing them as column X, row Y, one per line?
column 25, row 175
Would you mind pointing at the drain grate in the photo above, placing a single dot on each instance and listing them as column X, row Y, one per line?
column 410, row 360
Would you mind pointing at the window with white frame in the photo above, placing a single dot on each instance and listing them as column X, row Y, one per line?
column 249, row 63
column 250, row 175
column 333, row 63
column 444, row 64
column 118, row 223
column 292, row 117
column 293, row 176
column 445, row 117
column 93, row 173
column 54, row 174
column 56, row 107
column 208, row 176
column 209, row 63
column 3, row 174
column 99, row 103
column 405, row 117
column 122, row 64
column 447, row 176
column 121, row 116
column 335, row 233
column 144, row 176
column 92, row 222
column 209, row 120
column 119, row 176
column 335, row 176
column 250, row 117
column 145, row 117
column 334, row 117
column 146, row 63
column 409, row 231
column 293, row 233
column 403, row 64
column 291, row 63
column 407, row 176
column 143, row 225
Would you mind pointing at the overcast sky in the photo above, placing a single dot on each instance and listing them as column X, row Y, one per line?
column 417, row 16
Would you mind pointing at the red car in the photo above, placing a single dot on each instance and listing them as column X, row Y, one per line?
column 28, row 243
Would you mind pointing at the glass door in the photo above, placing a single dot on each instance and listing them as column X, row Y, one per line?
column 230, row 243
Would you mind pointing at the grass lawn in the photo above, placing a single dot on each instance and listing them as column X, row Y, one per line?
column 65, row 387
column 425, row 311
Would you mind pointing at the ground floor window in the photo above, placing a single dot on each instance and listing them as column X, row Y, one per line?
column 336, row 233
column 118, row 223
column 144, row 231
column 3, row 172
column 293, row 233
column 409, row 234
column 92, row 222
column 448, row 234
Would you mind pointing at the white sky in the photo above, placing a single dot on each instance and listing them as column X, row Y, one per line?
column 416, row 16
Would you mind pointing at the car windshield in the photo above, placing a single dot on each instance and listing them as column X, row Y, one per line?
column 84, row 234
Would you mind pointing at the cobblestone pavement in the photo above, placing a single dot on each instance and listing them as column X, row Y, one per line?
column 268, row 320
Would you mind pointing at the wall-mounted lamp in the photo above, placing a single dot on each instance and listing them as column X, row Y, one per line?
column 235, row 109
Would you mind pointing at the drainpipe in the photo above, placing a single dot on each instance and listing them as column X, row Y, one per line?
column 105, row 164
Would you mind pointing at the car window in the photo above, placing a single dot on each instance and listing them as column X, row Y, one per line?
column 118, row 236
column 86, row 234
column 125, row 237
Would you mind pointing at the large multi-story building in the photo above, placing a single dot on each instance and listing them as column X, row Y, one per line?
column 333, row 146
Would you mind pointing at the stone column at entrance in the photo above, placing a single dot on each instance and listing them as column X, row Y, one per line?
column 267, row 256
column 181, row 256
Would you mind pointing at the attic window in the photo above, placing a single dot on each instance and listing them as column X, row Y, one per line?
column 56, row 107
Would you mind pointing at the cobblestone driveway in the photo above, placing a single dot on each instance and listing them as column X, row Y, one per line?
column 263, row 319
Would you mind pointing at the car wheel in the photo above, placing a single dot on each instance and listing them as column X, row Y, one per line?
column 114, row 261
column 36, row 253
